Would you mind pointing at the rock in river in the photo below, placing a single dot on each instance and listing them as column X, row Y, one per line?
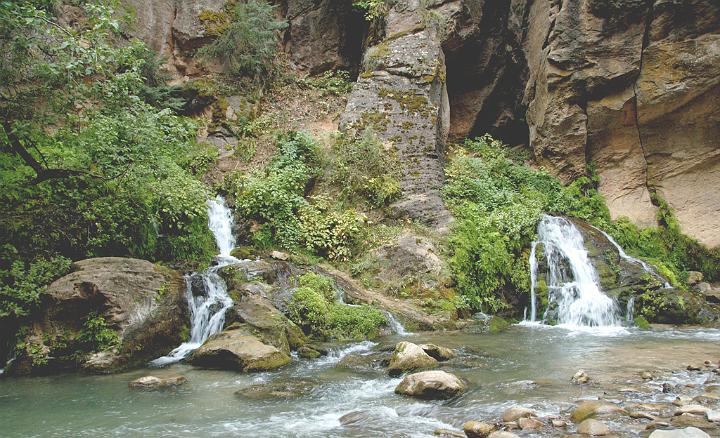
column 591, row 408
column 408, row 357
column 431, row 385
column 517, row 412
column 237, row 350
column 477, row 429
column 152, row 382
column 688, row 432
column 593, row 428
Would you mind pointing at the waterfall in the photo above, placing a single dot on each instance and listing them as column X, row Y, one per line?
column 207, row 311
column 533, row 282
column 630, row 310
column 395, row 325
column 571, row 279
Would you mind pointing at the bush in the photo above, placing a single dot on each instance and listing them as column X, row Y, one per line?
column 248, row 44
column 327, row 231
column 314, row 308
column 96, row 335
column 364, row 170
column 22, row 284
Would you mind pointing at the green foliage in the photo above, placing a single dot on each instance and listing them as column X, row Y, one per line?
column 96, row 335
column 22, row 284
column 641, row 323
column 328, row 231
column 333, row 83
column 88, row 167
column 364, row 169
column 314, row 308
column 374, row 9
column 247, row 45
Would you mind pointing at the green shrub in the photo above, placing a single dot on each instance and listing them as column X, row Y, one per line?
column 373, row 9
column 334, row 83
column 364, row 170
column 313, row 307
column 248, row 44
column 328, row 231
column 96, row 335
column 22, row 284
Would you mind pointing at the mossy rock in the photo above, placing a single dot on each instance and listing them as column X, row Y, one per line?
column 498, row 324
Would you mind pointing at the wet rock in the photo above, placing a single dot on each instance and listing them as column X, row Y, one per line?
column 692, row 367
column 308, row 352
column 689, row 432
column 580, row 377
column 646, row 375
column 502, row 434
column 437, row 352
column 364, row 362
column 280, row 390
column 667, row 388
column 448, row 433
column 643, row 415
column 690, row 420
column 558, row 423
column 691, row 409
column 694, row 277
column 477, row 429
column 102, row 362
column 592, row 408
column 713, row 416
column 593, row 428
column 431, row 385
column 682, row 400
column 516, row 412
column 278, row 255
column 408, row 357
column 236, row 350
column 529, row 423
column 152, row 382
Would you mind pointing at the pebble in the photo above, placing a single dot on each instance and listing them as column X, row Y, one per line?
column 593, row 428
column 559, row 423
column 691, row 409
column 646, row 375
column 516, row 412
column 530, row 423
column 477, row 429
column 581, row 377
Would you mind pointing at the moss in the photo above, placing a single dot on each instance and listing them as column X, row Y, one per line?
column 641, row 323
column 185, row 333
column 214, row 22
column 408, row 101
column 242, row 252
column 374, row 119
column 498, row 324
column 366, row 74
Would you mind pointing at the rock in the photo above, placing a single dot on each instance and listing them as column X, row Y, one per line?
column 516, row 412
column 431, row 385
column 580, row 377
column 689, row 432
column 529, row 423
column 691, row 420
column 558, row 423
column 277, row 255
column 408, row 357
column 437, row 352
column 364, row 363
column 477, row 429
column 646, row 375
column 449, row 433
column 308, row 353
column 682, row 400
column 694, row 277
column 591, row 408
column 593, row 428
column 640, row 414
column 140, row 302
column 236, row 350
column 693, row 367
column 502, row 434
column 152, row 382
column 277, row 390
column 713, row 415
column 692, row 409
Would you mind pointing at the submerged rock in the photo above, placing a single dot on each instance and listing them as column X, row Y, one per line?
column 477, row 429
column 591, row 408
column 580, row 377
column 408, row 357
column 516, row 412
column 437, row 352
column 502, row 434
column 688, row 432
column 273, row 390
column 431, row 385
column 593, row 428
column 236, row 350
column 529, row 423
column 152, row 382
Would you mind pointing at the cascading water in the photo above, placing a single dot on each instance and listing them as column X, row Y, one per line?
column 533, row 282
column 396, row 325
column 207, row 311
column 571, row 279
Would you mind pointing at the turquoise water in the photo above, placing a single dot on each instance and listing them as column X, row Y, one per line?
column 524, row 365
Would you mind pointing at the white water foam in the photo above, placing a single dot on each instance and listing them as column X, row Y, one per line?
column 572, row 282
column 396, row 326
column 207, row 311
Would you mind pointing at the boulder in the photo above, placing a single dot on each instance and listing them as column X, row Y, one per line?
column 236, row 350
column 529, row 423
column 152, row 382
column 437, row 352
column 431, row 385
column 688, row 432
column 516, row 412
column 592, row 408
column 408, row 357
column 143, row 304
column 580, row 377
column 593, row 428
column 277, row 390
column 477, row 429
column 692, row 409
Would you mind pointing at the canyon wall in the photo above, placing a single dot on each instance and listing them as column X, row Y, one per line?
column 630, row 88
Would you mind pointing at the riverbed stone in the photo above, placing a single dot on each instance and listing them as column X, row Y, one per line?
column 688, row 432
column 692, row 409
column 516, row 412
column 408, row 357
column 477, row 429
column 529, row 423
column 438, row 352
column 690, row 420
column 236, row 350
column 431, row 385
column 593, row 428
column 277, row 390
column 580, row 377
column 153, row 382
column 502, row 434
column 592, row 408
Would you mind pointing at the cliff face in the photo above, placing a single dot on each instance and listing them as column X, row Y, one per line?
column 631, row 86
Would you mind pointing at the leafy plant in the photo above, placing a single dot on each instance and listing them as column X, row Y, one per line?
column 247, row 45
column 374, row 9
column 96, row 335
column 23, row 284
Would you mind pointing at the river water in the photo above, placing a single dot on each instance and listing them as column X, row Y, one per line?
column 524, row 365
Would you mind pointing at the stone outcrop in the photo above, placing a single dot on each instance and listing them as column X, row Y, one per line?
column 408, row 357
column 143, row 304
column 238, row 351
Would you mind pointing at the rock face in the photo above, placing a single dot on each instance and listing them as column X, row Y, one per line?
column 238, row 351
column 431, row 385
column 143, row 304
column 407, row 357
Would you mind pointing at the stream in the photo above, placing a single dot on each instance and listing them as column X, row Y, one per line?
column 525, row 365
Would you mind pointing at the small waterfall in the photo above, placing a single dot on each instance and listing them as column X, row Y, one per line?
column 571, row 279
column 630, row 311
column 207, row 312
column 395, row 325
column 533, row 282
